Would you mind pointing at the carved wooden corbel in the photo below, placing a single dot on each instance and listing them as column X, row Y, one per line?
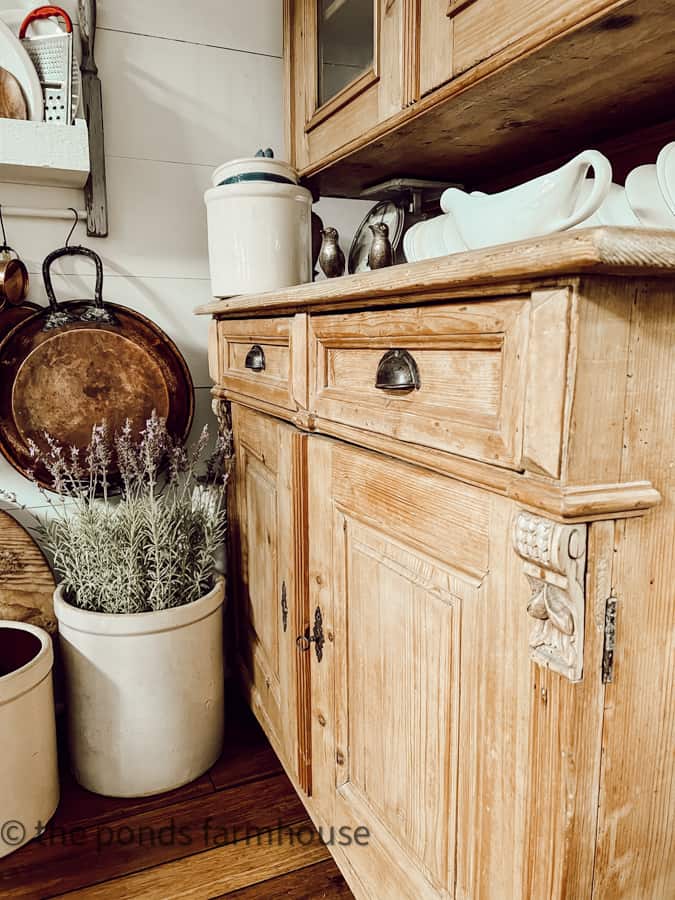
column 555, row 565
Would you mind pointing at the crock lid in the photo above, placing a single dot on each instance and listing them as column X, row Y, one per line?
column 255, row 168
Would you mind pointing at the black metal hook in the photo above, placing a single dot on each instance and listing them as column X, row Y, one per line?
column 2, row 224
column 75, row 224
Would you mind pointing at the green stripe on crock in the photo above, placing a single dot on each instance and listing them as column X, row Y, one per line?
column 256, row 176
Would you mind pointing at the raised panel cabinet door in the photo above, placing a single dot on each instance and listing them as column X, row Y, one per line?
column 473, row 769
column 436, row 30
column 269, row 532
column 395, row 552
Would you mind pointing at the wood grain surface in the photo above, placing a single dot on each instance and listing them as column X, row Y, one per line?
column 26, row 581
column 12, row 102
column 611, row 251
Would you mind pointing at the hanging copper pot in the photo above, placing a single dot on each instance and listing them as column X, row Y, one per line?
column 75, row 364
column 13, row 277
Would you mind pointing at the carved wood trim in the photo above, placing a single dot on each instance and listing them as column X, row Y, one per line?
column 555, row 565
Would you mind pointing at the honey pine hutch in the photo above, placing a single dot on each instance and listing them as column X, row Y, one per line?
column 455, row 602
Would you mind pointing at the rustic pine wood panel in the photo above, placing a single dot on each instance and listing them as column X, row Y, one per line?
column 636, row 831
column 436, row 34
column 484, row 27
column 471, row 393
column 565, row 751
column 493, row 750
column 273, row 383
column 599, row 361
column 267, row 540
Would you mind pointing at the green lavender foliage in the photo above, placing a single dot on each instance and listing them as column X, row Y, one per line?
column 152, row 543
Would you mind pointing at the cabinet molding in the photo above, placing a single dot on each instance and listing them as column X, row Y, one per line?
column 555, row 563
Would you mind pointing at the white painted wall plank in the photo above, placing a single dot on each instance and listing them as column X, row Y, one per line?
column 180, row 102
column 157, row 222
column 253, row 25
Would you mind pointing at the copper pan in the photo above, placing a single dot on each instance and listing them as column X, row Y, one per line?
column 11, row 315
column 75, row 364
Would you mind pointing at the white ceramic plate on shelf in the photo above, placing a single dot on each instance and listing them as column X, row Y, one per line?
column 665, row 173
column 14, row 58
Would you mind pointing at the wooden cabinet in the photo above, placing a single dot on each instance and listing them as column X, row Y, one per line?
column 353, row 65
column 458, row 653
column 476, row 91
column 344, row 61
column 268, row 536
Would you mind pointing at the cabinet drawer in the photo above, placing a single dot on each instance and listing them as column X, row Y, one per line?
column 470, row 362
column 255, row 359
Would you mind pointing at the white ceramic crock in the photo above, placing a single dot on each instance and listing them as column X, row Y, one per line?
column 29, row 781
column 145, row 694
column 259, row 224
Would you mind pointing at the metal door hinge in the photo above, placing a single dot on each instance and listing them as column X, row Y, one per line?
column 316, row 636
column 610, row 641
column 284, row 607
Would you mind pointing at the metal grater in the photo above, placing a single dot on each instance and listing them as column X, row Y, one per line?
column 52, row 56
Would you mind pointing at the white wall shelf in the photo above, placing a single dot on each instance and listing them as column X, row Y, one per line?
column 43, row 153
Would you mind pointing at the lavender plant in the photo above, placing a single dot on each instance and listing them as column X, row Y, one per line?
column 153, row 544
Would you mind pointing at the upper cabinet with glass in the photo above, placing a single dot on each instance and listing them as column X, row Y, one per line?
column 345, row 65
column 346, row 44
column 452, row 89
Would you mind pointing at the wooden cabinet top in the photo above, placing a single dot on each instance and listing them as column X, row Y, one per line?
column 593, row 251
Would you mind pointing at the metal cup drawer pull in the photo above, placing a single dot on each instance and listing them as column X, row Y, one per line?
column 255, row 359
column 397, row 371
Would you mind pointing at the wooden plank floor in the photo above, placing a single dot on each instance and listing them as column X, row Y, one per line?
column 239, row 831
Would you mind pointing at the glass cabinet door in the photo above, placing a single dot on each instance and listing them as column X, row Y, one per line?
column 346, row 44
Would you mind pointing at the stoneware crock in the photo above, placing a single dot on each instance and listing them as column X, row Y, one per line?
column 29, row 782
column 259, row 227
column 145, row 694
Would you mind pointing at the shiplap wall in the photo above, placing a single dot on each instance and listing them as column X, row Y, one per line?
column 185, row 87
